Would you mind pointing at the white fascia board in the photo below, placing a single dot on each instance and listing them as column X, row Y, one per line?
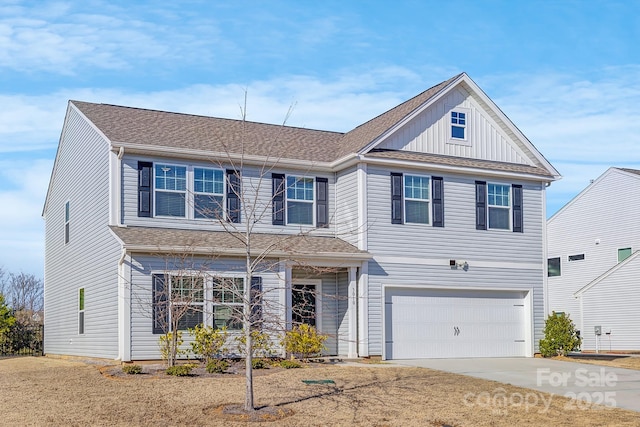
column 458, row 169
column 221, row 157
column 606, row 274
column 151, row 249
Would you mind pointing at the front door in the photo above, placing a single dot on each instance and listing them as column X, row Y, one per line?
column 303, row 304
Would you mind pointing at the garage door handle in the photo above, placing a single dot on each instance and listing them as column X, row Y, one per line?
column 456, row 331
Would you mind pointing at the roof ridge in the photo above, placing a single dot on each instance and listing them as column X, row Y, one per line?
column 153, row 110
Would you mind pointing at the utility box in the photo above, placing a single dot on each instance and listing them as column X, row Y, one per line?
column 598, row 330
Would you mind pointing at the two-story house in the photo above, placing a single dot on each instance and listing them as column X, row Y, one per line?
column 594, row 261
column 418, row 234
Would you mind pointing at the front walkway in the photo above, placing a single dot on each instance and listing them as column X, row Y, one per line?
column 592, row 383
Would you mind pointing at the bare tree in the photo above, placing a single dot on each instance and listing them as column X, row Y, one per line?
column 25, row 295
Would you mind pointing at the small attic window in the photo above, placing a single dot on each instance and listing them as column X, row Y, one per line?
column 578, row 257
column 458, row 124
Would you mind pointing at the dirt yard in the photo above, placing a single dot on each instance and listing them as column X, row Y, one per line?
column 46, row 391
column 630, row 362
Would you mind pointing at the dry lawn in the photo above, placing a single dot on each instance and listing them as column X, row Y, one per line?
column 46, row 391
column 630, row 362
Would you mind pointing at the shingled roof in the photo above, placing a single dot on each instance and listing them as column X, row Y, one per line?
column 152, row 240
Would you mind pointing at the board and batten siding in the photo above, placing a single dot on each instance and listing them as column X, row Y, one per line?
column 429, row 132
column 598, row 222
column 613, row 303
column 90, row 259
column 252, row 182
column 419, row 254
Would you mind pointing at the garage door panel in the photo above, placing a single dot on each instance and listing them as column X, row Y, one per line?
column 428, row 323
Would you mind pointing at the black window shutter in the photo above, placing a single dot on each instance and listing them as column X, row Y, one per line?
column 256, row 301
column 437, row 200
column 481, row 205
column 396, row 198
column 322, row 202
column 160, row 305
column 517, row 208
column 145, row 191
column 277, row 198
column 234, row 190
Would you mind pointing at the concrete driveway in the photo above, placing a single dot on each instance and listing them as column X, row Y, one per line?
column 592, row 383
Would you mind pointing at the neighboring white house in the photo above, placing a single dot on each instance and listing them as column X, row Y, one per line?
column 421, row 232
column 593, row 268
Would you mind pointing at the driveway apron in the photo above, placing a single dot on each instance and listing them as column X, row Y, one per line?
column 593, row 383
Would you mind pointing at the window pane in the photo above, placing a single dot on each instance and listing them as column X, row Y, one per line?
column 228, row 290
column 553, row 267
column 81, row 299
column 190, row 319
column 208, row 206
column 208, row 181
column 171, row 177
column 416, row 211
column 227, row 315
column 170, row 204
column 457, row 132
column 416, row 187
column 300, row 213
column 187, row 289
column 498, row 195
column 499, row 218
column 299, row 188
column 623, row 254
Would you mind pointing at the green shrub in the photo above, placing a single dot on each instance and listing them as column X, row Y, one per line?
column 208, row 343
column 290, row 364
column 259, row 363
column 260, row 343
column 170, row 347
column 132, row 369
column 217, row 366
column 180, row 370
column 560, row 336
column 304, row 341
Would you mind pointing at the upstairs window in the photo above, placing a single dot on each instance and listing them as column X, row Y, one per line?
column 170, row 190
column 553, row 267
column 66, row 223
column 300, row 200
column 498, row 197
column 208, row 193
column 458, row 125
column 416, row 199
column 623, row 254
column 578, row 257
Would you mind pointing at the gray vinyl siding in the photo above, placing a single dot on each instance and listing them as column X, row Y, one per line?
column 598, row 222
column 144, row 344
column 335, row 318
column 347, row 201
column 613, row 304
column 254, row 187
column 90, row 259
column 497, row 259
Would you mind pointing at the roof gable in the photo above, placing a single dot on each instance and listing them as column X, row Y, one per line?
column 490, row 135
column 629, row 175
column 613, row 270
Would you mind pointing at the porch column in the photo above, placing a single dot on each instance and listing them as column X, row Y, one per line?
column 363, row 311
column 352, row 309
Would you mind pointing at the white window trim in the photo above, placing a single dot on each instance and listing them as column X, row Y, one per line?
column 191, row 201
column 312, row 201
column 318, row 284
column 187, row 190
column 428, row 201
column 84, row 320
column 467, row 127
column 510, row 208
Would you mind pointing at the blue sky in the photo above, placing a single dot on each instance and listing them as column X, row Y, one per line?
column 565, row 72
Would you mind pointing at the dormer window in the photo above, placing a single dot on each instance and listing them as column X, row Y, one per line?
column 458, row 125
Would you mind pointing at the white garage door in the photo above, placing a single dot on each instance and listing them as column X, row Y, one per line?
column 428, row 323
